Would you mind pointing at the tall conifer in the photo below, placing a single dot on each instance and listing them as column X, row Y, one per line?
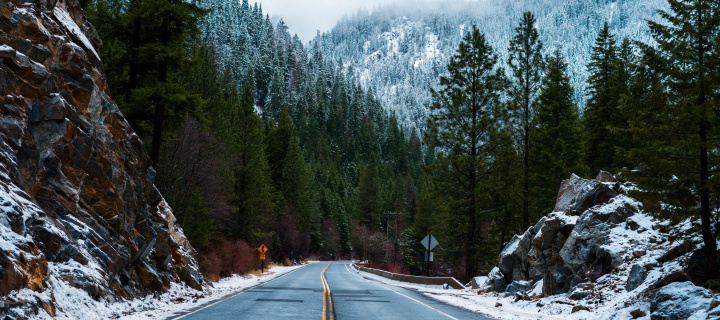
column 680, row 136
column 464, row 117
column 527, row 64
column 601, row 111
column 253, row 190
column 557, row 137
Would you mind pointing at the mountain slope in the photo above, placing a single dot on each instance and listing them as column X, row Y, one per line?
column 401, row 50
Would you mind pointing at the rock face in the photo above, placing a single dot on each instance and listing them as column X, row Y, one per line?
column 572, row 244
column 683, row 300
column 603, row 250
column 76, row 187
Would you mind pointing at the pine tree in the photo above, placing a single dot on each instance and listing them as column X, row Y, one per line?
column 680, row 135
column 296, row 185
column 197, row 222
column 463, row 120
column 276, row 98
column 160, row 32
column 601, row 112
column 278, row 142
column 558, row 147
column 624, row 77
column 527, row 64
column 369, row 197
column 253, row 188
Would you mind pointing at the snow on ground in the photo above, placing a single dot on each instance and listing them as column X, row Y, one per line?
column 466, row 298
column 607, row 298
column 77, row 304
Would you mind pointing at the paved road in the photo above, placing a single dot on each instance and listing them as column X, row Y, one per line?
column 302, row 295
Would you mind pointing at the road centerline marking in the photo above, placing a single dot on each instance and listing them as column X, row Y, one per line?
column 411, row 298
column 327, row 298
column 230, row 296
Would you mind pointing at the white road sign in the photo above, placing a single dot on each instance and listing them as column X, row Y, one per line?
column 429, row 242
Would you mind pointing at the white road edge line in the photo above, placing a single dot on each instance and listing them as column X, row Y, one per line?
column 235, row 295
column 443, row 313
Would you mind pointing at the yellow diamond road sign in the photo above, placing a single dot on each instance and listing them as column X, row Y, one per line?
column 262, row 250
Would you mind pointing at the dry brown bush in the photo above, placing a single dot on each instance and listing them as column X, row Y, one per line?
column 228, row 258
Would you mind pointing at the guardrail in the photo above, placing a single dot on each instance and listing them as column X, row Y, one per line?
column 437, row 281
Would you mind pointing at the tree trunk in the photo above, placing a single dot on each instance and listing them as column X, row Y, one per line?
column 526, row 178
column 134, row 47
column 157, row 134
column 705, row 212
column 471, row 254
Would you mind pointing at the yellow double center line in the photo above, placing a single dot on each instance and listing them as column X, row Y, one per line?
column 327, row 298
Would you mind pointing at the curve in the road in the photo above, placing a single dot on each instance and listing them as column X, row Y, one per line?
column 345, row 295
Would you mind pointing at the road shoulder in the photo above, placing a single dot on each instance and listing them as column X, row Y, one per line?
column 180, row 301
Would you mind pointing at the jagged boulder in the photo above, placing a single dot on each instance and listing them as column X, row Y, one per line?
column 682, row 300
column 589, row 237
column 571, row 244
column 512, row 259
column 638, row 274
column 495, row 281
column 75, row 181
column 518, row 286
column 577, row 195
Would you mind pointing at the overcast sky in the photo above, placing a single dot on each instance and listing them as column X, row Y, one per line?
column 305, row 17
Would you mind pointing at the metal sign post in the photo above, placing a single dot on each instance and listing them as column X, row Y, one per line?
column 429, row 243
column 262, row 250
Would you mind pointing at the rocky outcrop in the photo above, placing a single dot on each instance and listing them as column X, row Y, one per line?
column 572, row 244
column 78, row 200
column 577, row 195
column 683, row 300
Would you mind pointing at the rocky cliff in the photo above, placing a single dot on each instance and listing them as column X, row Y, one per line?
column 78, row 208
column 602, row 253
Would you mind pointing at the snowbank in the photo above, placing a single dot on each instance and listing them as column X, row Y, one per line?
column 77, row 304
column 600, row 256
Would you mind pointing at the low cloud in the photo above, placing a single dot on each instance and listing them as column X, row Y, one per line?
column 306, row 17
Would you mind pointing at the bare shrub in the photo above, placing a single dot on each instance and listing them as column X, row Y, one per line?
column 228, row 258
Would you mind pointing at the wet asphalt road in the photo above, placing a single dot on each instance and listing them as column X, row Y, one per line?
column 301, row 295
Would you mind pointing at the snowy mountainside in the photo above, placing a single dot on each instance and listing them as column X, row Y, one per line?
column 400, row 51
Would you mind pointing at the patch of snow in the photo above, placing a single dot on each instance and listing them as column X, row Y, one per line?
column 607, row 298
column 65, row 19
column 512, row 246
column 77, row 304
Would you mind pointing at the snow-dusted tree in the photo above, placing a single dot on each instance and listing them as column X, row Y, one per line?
column 526, row 65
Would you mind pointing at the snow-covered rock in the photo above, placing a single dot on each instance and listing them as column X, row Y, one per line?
column 518, row 286
column 577, row 195
column 600, row 255
column 638, row 273
column 682, row 300
column 512, row 259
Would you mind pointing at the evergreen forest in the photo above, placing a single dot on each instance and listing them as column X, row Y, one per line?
column 257, row 138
